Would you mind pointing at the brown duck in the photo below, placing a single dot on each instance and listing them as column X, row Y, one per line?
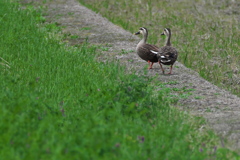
column 146, row 51
column 167, row 55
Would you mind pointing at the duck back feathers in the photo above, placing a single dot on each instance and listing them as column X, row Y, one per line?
column 167, row 55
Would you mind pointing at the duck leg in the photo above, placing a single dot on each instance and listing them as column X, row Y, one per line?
column 170, row 69
column 150, row 65
column 161, row 67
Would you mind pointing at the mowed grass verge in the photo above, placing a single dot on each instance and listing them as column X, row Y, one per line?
column 206, row 37
column 58, row 102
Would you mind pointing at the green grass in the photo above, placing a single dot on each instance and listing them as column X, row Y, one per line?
column 58, row 102
column 206, row 38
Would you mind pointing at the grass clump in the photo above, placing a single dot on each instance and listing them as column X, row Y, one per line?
column 58, row 102
column 206, row 37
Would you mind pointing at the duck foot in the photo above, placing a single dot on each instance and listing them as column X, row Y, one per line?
column 170, row 70
column 150, row 65
column 161, row 66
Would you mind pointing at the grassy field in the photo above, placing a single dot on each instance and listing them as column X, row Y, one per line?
column 57, row 102
column 207, row 39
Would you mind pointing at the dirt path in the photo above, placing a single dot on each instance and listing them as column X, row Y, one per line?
column 220, row 108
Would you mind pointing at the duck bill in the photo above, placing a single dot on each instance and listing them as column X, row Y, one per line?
column 136, row 33
column 163, row 33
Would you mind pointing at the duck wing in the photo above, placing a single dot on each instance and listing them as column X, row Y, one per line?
column 148, row 52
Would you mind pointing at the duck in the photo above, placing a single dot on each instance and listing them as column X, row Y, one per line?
column 146, row 51
column 167, row 55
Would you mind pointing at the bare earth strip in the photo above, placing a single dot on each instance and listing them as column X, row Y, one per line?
column 220, row 108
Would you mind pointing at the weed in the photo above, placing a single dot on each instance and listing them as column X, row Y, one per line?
column 74, row 36
column 108, row 45
column 104, row 48
column 198, row 97
column 123, row 51
column 85, row 28
column 171, row 82
column 70, row 13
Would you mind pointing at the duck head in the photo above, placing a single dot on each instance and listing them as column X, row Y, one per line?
column 142, row 31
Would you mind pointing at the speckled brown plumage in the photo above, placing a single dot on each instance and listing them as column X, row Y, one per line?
column 167, row 55
column 146, row 51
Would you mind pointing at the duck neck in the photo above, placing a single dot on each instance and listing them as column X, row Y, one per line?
column 168, row 43
column 144, row 40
